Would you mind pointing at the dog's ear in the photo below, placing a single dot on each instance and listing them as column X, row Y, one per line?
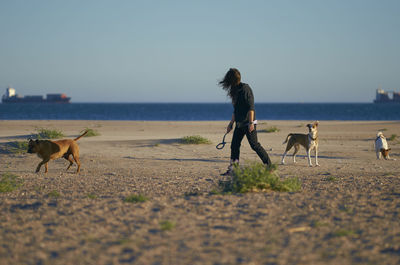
column 316, row 123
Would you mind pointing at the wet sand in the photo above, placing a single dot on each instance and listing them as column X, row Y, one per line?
column 347, row 211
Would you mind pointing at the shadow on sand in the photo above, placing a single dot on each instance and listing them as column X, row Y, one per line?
column 20, row 137
column 179, row 159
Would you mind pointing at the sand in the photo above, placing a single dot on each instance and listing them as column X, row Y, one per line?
column 347, row 211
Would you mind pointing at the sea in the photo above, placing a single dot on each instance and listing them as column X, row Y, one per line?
column 199, row 111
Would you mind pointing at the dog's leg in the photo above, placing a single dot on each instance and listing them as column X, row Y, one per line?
column 283, row 158
column 76, row 158
column 316, row 157
column 38, row 167
column 296, row 150
column 44, row 162
column 71, row 161
column 288, row 147
column 309, row 157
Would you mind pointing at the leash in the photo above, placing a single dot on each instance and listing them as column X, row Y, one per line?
column 222, row 144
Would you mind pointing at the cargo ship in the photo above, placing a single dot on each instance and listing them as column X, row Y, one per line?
column 12, row 97
column 383, row 96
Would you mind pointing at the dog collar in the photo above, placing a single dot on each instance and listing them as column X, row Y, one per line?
column 312, row 138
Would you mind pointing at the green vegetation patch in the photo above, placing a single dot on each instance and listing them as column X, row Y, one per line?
column 54, row 194
column 43, row 133
column 271, row 129
column 92, row 196
column 90, row 132
column 195, row 139
column 332, row 178
column 9, row 182
column 17, row 147
column 343, row 232
column 392, row 137
column 257, row 177
column 167, row 225
column 317, row 223
column 134, row 198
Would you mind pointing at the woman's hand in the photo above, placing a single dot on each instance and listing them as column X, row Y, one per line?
column 229, row 128
column 251, row 127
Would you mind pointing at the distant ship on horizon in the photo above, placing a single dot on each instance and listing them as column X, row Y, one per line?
column 383, row 96
column 12, row 97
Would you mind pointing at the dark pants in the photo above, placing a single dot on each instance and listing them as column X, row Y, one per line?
column 237, row 138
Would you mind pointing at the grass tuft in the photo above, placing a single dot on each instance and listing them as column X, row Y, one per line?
column 9, row 182
column 91, row 132
column 136, row 198
column 332, row 178
column 17, row 147
column 215, row 192
column 195, row 139
column 271, row 129
column 92, row 196
column 167, row 225
column 317, row 223
column 54, row 194
column 392, row 137
column 43, row 133
column 257, row 177
column 343, row 232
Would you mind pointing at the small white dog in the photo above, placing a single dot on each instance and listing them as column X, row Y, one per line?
column 381, row 146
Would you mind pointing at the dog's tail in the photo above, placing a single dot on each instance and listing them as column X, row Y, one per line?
column 79, row 137
column 287, row 138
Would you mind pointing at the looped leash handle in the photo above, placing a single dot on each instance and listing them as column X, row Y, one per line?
column 222, row 144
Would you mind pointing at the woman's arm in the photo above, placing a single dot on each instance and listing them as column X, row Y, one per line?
column 250, row 114
column 230, row 125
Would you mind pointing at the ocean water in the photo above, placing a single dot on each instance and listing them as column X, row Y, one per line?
column 198, row 111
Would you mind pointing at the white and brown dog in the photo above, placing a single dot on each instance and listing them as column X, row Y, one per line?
column 308, row 141
column 381, row 146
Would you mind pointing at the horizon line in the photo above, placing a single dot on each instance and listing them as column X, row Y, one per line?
column 191, row 102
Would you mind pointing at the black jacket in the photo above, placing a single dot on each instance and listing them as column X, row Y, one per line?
column 243, row 104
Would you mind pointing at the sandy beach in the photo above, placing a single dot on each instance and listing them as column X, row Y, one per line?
column 347, row 211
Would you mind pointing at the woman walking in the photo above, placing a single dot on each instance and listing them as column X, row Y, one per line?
column 244, row 117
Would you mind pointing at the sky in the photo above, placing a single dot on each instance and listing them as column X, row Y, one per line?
column 177, row 51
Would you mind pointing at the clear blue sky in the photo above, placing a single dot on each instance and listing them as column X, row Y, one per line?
column 176, row 51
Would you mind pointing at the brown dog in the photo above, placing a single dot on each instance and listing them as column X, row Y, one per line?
column 308, row 141
column 50, row 150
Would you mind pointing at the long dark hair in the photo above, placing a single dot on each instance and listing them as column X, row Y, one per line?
column 230, row 83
